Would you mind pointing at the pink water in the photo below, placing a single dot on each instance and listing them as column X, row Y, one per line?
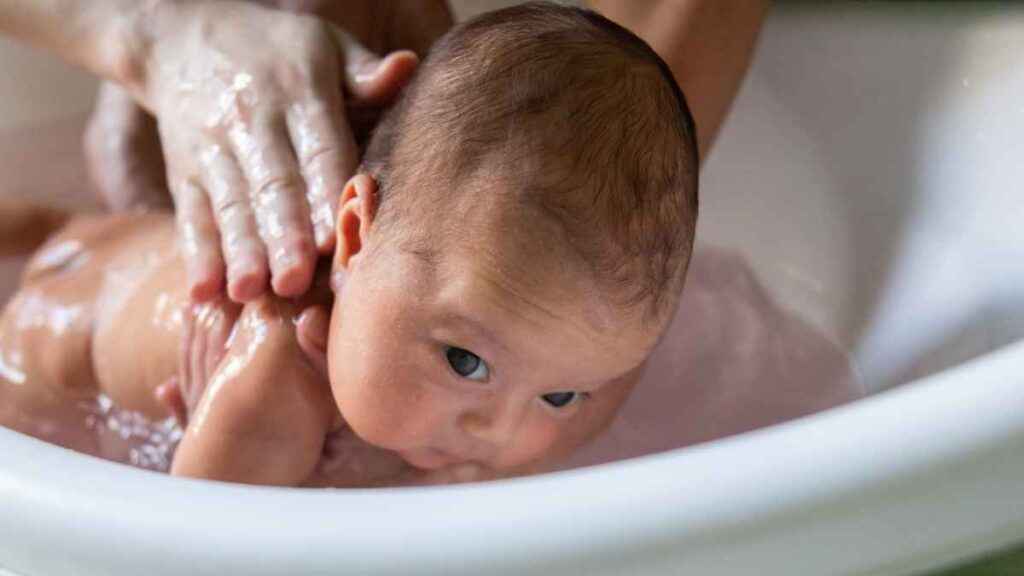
column 733, row 361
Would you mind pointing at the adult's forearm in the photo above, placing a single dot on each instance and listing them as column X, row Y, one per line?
column 708, row 44
column 106, row 37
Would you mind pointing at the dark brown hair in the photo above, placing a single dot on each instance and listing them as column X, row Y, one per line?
column 583, row 122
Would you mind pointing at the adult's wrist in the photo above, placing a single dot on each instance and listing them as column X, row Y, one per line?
column 103, row 36
column 128, row 45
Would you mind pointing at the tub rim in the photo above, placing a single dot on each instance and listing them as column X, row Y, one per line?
column 790, row 483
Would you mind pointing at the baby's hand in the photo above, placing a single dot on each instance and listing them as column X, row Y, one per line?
column 261, row 411
column 206, row 329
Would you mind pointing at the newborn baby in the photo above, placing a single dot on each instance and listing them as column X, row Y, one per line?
column 509, row 255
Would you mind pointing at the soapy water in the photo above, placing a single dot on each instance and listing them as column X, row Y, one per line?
column 143, row 443
column 97, row 427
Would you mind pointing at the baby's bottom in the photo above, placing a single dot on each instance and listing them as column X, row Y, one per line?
column 48, row 383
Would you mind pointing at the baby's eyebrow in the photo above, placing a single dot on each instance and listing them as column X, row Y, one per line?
column 452, row 316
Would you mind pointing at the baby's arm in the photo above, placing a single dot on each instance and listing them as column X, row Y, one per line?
column 265, row 410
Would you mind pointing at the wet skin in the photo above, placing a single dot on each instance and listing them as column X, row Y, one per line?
column 104, row 310
column 59, row 321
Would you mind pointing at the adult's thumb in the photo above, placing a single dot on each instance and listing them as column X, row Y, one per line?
column 369, row 79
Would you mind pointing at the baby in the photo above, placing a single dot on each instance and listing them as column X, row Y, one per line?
column 511, row 252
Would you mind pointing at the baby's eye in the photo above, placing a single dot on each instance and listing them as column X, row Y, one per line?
column 560, row 399
column 466, row 364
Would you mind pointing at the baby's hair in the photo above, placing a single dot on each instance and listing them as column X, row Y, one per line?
column 581, row 121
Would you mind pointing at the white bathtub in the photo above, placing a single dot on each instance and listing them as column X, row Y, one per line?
column 872, row 172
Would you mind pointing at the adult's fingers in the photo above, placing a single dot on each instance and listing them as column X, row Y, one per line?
column 277, row 193
column 240, row 242
column 200, row 241
column 328, row 156
column 369, row 79
column 380, row 86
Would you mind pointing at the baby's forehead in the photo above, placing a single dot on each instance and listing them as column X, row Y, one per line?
column 492, row 231
column 541, row 310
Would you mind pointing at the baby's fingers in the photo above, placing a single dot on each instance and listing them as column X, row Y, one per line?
column 216, row 324
column 197, row 352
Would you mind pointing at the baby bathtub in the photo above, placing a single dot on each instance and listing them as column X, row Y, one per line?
column 871, row 172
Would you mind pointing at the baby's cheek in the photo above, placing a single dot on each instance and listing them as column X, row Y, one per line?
column 388, row 412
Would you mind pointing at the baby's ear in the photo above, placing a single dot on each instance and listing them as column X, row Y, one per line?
column 355, row 215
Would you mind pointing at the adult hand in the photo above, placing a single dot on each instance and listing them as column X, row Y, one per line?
column 252, row 122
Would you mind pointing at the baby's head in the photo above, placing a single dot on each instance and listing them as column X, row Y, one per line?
column 516, row 243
